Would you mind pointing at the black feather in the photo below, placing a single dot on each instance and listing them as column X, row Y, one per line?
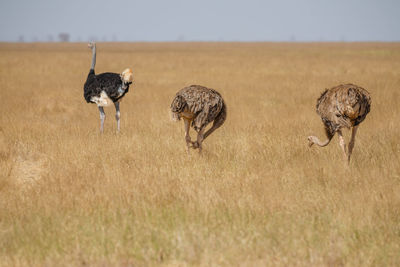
column 108, row 82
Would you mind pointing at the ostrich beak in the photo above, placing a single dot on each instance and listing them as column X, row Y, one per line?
column 310, row 142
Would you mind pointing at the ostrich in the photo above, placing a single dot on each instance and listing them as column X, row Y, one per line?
column 343, row 106
column 198, row 106
column 106, row 88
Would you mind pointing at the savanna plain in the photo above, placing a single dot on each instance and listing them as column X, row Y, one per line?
column 257, row 195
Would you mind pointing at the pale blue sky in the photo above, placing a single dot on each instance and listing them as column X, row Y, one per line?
column 201, row 20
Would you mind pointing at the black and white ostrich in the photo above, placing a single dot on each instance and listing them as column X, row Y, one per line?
column 106, row 88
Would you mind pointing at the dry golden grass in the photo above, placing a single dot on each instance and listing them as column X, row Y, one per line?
column 257, row 196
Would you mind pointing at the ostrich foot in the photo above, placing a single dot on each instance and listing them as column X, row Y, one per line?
column 195, row 145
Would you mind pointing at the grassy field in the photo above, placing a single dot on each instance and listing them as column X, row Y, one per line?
column 258, row 195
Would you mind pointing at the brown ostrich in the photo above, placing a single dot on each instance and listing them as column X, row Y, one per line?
column 198, row 106
column 343, row 106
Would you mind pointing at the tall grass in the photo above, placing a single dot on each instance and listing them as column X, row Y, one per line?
column 258, row 195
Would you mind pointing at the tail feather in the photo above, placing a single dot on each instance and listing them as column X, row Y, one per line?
column 178, row 105
column 175, row 116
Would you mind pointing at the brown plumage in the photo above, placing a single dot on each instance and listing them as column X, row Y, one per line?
column 343, row 106
column 198, row 106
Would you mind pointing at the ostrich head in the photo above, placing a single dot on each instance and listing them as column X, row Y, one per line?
column 127, row 76
column 91, row 45
column 312, row 140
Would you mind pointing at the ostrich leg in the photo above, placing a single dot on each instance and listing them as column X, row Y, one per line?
column 187, row 136
column 216, row 124
column 117, row 115
column 342, row 143
column 352, row 141
column 200, row 138
column 102, row 118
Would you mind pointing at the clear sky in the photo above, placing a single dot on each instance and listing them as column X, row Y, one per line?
column 201, row 20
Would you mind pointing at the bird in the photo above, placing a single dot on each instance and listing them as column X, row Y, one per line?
column 342, row 106
column 106, row 88
column 198, row 106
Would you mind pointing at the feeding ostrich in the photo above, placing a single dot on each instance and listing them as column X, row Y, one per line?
column 343, row 106
column 198, row 106
column 106, row 88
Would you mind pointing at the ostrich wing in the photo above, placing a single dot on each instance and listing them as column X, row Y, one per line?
column 108, row 82
column 343, row 106
column 206, row 104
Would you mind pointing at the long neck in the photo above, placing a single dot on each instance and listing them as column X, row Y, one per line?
column 322, row 144
column 93, row 57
